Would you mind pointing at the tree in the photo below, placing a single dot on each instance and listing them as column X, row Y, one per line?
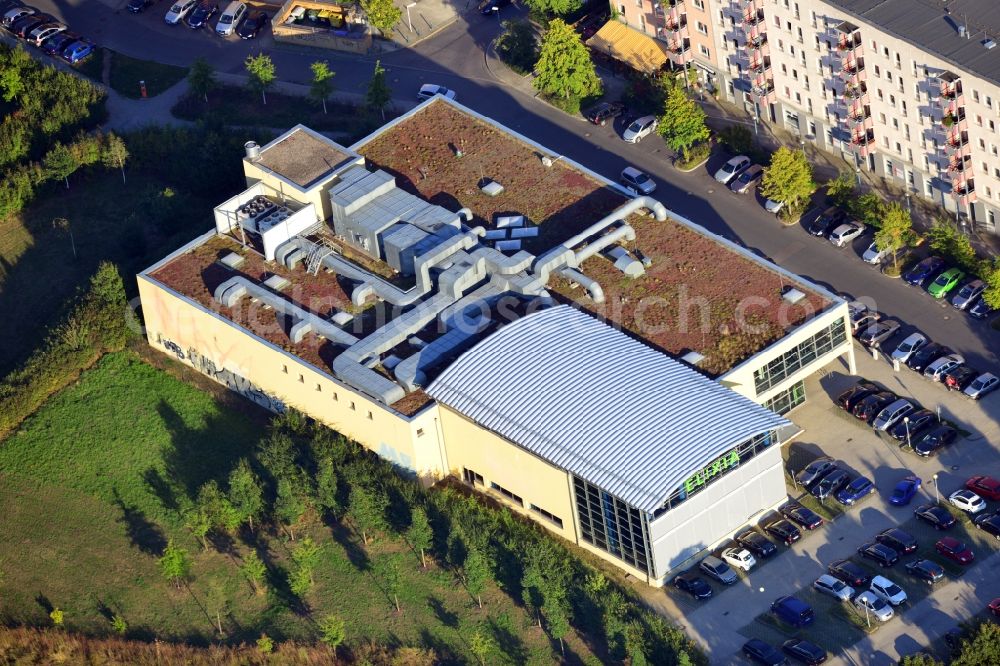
column 387, row 570
column 265, row 644
column 990, row 273
column 564, row 67
column 477, row 573
column 197, row 520
column 327, row 488
column 255, row 570
column 554, row 7
column 788, row 178
column 868, row 208
column 11, row 82
column 59, row 163
column 322, row 82
column 119, row 624
column 331, row 631
column 482, row 645
column 919, row 659
column 217, row 603
column 378, row 95
column 982, row 646
column 382, row 15
column 557, row 613
column 175, row 564
column 517, row 46
column 945, row 237
column 300, row 581
column 306, row 556
column 420, row 535
column 682, row 124
column 201, row 78
column 114, row 153
column 57, row 616
column 288, row 506
column 896, row 232
column 635, row 644
column 262, row 74
column 245, row 493
column 737, row 139
column 219, row 511
column 840, row 190
column 368, row 510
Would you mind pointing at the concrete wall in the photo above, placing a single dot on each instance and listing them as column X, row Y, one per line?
column 317, row 194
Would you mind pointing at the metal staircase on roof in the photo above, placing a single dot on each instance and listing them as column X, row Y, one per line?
column 322, row 248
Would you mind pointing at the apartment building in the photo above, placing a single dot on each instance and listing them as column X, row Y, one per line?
column 908, row 90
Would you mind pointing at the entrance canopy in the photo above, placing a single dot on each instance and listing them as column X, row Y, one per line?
column 637, row 50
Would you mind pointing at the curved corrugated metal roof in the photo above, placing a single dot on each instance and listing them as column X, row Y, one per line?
column 593, row 401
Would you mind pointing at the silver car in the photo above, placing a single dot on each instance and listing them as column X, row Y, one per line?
column 938, row 368
column 982, row 385
column 639, row 128
column 845, row 233
column 732, row 168
column 891, row 415
column 867, row 602
column 873, row 255
column 715, row 568
column 968, row 294
column 908, row 347
column 637, row 181
column 830, row 586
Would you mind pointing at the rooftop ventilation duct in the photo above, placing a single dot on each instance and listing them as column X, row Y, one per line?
column 252, row 150
column 793, row 295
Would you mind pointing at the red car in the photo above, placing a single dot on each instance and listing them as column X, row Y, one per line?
column 994, row 607
column 955, row 550
column 984, row 486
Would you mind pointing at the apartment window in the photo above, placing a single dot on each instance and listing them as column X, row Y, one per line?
column 319, row 387
column 989, row 192
column 885, row 141
column 788, row 26
column 420, row 432
column 798, row 98
column 993, row 126
column 982, row 144
column 909, row 156
column 901, row 87
column 812, row 128
column 975, row 96
column 996, row 173
column 928, row 186
column 993, row 149
column 799, row 357
column 909, row 178
column 302, row 379
column 472, row 478
column 819, row 65
column 892, row 100
column 902, row 105
column 979, row 120
column 878, row 73
column 878, row 91
column 817, row 42
column 799, row 32
column 516, row 499
column 895, row 123
column 899, row 63
column 788, row 92
column 284, row 369
column 986, row 167
column 881, row 118
column 642, row 22
column 725, row 43
column 336, row 398
column 702, row 28
column 791, row 49
column 809, row 104
column 899, row 148
column 777, row 21
column 795, row 74
column 874, row 46
column 812, row 22
column 885, row 52
column 352, row 405
column 552, row 518
column 906, row 133
column 781, row 46
column 989, row 102
column 370, row 417
column 992, row 218
column 722, row 17
column 913, row 67
column 888, row 76
column 700, row 4
column 805, row 81
column 704, row 50
column 797, row 11
column 889, row 169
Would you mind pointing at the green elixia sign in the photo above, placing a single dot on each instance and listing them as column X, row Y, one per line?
column 700, row 478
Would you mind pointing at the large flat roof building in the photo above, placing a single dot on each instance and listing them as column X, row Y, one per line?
column 463, row 301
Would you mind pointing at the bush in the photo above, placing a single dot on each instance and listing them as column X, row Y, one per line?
column 570, row 105
column 695, row 155
column 737, row 139
column 517, row 46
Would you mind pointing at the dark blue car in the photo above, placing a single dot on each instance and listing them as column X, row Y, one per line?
column 855, row 490
column 904, row 491
column 793, row 611
column 763, row 653
column 924, row 271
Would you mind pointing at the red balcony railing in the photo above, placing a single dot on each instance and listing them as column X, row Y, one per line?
column 753, row 17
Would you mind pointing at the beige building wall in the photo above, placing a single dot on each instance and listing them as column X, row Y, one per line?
column 673, row 20
column 316, row 195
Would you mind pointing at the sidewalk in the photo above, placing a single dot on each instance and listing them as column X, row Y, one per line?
column 425, row 18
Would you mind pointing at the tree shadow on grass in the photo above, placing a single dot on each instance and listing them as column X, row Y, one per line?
column 444, row 616
column 445, row 655
column 507, row 640
column 143, row 533
column 44, row 602
column 161, row 488
column 355, row 554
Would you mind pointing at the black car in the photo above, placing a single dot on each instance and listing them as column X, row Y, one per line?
column 831, row 482
column 136, row 6
column 879, row 552
column 783, row 531
column 693, row 585
column 927, row 355
column 757, row 543
column 870, row 406
column 763, row 653
column 925, row 570
column 917, row 423
column 26, row 24
column 804, row 652
column 980, row 309
column 603, row 112
column 801, row 516
column 958, row 378
column 925, row 270
column 815, row 471
column 937, row 516
column 898, row 540
column 849, row 573
column 200, row 15
column 486, row 6
column 58, row 42
column 850, row 398
column 827, row 222
column 934, row 439
column 252, row 25
column 989, row 523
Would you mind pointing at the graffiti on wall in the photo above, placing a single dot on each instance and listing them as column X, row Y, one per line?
column 233, row 381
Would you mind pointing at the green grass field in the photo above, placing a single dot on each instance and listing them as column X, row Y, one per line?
column 88, row 487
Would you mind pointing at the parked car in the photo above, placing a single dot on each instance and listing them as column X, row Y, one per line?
column 879, row 552
column 828, row 486
column 984, row 486
column 14, row 14
column 878, row 333
column 869, row 407
column 845, row 233
column 55, row 44
column 43, row 32
column 967, row 501
column 850, row 398
column 856, row 490
column 980, row 309
column 199, row 16
column 486, row 6
column 637, row 182
column 945, row 282
column 913, row 425
column 815, row 471
column 868, row 602
column 747, row 180
column 763, row 653
column 77, row 51
column 833, row 587
column 428, row 90
column 801, row 516
column 773, row 207
column 959, row 378
column 942, row 365
column 994, row 607
column 252, row 25
column 849, row 573
column 757, row 543
column 968, row 294
column 924, row 270
column 898, row 540
column 910, row 345
column 858, row 309
column 864, row 322
column 23, row 26
column 887, row 590
column 929, row 353
column 784, row 531
column 925, row 570
column 179, row 10
column 955, row 550
column 826, row 222
column 739, row 558
column 873, row 255
column 732, row 168
column 693, row 585
column 904, row 491
column 793, row 611
column 640, row 128
column 804, row 652
column 989, row 523
column 936, row 516
column 934, row 439
column 137, row 6
column 715, row 568
column 601, row 113
column 982, row 385
column 230, row 18
column 892, row 414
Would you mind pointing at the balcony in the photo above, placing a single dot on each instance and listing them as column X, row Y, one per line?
column 853, row 66
column 951, row 90
column 964, row 191
column 752, row 18
column 760, row 65
column 958, row 139
column 856, row 90
column 859, row 114
column 849, row 43
column 756, row 40
column 680, row 47
column 676, row 21
column 960, row 166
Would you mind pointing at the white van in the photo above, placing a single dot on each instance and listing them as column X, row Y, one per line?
column 230, row 18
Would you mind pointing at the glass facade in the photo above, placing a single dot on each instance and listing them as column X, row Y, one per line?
column 610, row 524
column 788, row 399
column 800, row 356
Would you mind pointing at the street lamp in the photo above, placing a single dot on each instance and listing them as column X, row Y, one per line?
column 408, row 22
column 937, row 497
column 906, row 424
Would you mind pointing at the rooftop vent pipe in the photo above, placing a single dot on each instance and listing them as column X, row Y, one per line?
column 252, row 150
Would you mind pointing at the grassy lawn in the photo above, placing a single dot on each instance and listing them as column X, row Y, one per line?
column 89, row 487
column 126, row 72
column 93, row 66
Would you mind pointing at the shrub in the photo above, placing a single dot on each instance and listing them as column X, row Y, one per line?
column 694, row 156
column 737, row 139
column 517, row 46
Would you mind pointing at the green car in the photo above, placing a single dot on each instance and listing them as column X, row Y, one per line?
column 945, row 282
